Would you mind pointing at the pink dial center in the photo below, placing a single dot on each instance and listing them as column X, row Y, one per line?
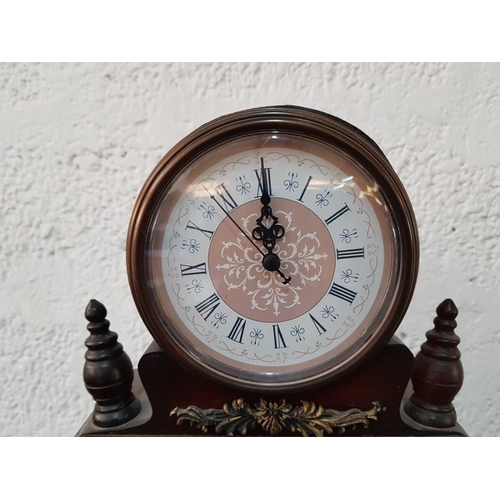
column 247, row 280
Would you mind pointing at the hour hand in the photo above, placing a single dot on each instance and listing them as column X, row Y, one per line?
column 268, row 235
column 267, row 230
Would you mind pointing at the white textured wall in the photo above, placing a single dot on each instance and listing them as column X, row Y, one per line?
column 77, row 141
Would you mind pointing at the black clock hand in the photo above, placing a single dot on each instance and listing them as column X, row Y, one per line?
column 266, row 233
column 234, row 222
column 265, row 199
column 271, row 262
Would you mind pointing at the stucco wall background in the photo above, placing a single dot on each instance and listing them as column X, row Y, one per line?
column 77, row 142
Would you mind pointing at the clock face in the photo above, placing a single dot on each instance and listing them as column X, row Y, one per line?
column 271, row 259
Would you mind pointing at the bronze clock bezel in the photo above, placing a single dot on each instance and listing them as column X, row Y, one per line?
column 275, row 119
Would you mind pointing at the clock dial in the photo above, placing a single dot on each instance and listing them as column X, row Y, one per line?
column 271, row 261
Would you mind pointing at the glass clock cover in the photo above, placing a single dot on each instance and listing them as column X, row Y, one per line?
column 273, row 249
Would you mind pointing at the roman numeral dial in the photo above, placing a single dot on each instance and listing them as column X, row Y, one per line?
column 312, row 215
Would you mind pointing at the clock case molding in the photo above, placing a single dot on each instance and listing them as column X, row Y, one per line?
column 383, row 392
column 391, row 394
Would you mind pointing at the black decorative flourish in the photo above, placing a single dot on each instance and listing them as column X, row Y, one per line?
column 256, row 335
column 191, row 246
column 308, row 419
column 244, row 186
column 346, row 236
column 208, row 210
column 196, row 286
column 298, row 332
column 348, row 275
column 219, row 319
column 328, row 312
column 322, row 198
column 291, row 184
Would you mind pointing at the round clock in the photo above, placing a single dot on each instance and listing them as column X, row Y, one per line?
column 273, row 249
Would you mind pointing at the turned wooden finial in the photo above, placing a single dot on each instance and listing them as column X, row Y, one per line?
column 107, row 372
column 437, row 374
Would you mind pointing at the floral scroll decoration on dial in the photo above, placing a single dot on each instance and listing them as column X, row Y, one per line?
column 308, row 419
column 303, row 256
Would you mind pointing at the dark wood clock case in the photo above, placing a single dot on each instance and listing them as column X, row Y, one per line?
column 392, row 394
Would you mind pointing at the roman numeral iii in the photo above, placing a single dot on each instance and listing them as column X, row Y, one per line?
column 351, row 253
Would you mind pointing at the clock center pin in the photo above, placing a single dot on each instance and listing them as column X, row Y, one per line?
column 271, row 262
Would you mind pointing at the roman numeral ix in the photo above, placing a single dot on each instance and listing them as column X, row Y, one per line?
column 192, row 270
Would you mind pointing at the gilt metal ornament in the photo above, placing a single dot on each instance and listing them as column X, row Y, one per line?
column 308, row 419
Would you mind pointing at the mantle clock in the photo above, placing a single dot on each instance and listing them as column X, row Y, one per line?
column 272, row 254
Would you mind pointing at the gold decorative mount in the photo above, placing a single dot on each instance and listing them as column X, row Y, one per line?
column 309, row 419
